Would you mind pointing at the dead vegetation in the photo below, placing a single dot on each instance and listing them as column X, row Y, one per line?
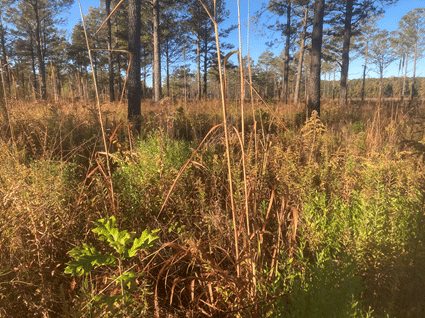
column 333, row 205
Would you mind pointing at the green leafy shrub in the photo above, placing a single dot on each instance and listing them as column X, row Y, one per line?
column 125, row 246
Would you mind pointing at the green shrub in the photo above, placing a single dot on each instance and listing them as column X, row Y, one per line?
column 87, row 258
column 143, row 176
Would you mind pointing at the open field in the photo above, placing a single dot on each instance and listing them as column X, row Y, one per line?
column 328, row 215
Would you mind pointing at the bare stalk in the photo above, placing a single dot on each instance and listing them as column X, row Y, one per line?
column 253, row 269
column 226, row 135
column 242, row 76
column 111, row 188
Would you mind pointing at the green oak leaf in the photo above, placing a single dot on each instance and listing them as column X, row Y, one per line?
column 145, row 240
column 85, row 259
column 110, row 233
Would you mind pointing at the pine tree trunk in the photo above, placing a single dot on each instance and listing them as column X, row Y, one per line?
column 156, row 53
column 286, row 62
column 167, row 61
column 110, row 63
column 198, row 70
column 301, row 59
column 205, row 69
column 34, row 73
column 315, row 64
column 413, row 90
column 345, row 54
column 3, row 56
column 364, row 72
column 134, row 85
column 39, row 51
column 403, row 91
column 118, row 61
column 58, row 81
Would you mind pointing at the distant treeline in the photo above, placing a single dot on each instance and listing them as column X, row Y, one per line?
column 392, row 87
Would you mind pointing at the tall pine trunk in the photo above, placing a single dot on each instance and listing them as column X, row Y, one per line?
column 110, row 63
column 156, row 53
column 403, row 91
column 413, row 90
column 134, row 85
column 3, row 56
column 315, row 63
column 167, row 61
column 198, row 69
column 301, row 59
column 364, row 71
column 345, row 54
column 286, row 62
column 39, row 51
column 34, row 73
column 205, row 68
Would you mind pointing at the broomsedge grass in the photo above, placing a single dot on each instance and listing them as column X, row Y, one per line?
column 337, row 161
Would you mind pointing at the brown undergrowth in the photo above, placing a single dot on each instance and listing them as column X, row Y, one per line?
column 332, row 207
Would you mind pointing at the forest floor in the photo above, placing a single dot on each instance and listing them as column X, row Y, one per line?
column 322, row 217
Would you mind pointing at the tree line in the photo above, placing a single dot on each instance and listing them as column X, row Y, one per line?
column 172, row 45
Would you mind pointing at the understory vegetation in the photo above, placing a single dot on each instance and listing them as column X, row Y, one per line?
column 329, row 212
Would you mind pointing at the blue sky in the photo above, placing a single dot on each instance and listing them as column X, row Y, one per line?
column 258, row 44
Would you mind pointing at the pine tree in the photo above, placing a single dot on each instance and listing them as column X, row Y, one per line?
column 380, row 54
column 202, row 30
column 43, row 14
column 134, row 84
column 156, row 52
column 110, row 62
column 412, row 30
column 303, row 36
column 368, row 30
column 284, row 8
column 315, row 62
column 3, row 53
column 346, row 18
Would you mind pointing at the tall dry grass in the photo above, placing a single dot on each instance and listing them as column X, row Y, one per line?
column 52, row 187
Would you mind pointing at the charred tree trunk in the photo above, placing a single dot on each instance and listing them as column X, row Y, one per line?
column 316, row 52
column 134, row 85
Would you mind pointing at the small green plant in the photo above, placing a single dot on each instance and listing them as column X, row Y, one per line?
column 143, row 175
column 126, row 247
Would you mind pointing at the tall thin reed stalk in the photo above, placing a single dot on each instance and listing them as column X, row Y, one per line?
column 242, row 140
column 242, row 76
column 226, row 135
column 110, row 184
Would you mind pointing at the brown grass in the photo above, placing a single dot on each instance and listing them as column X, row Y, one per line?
column 52, row 188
